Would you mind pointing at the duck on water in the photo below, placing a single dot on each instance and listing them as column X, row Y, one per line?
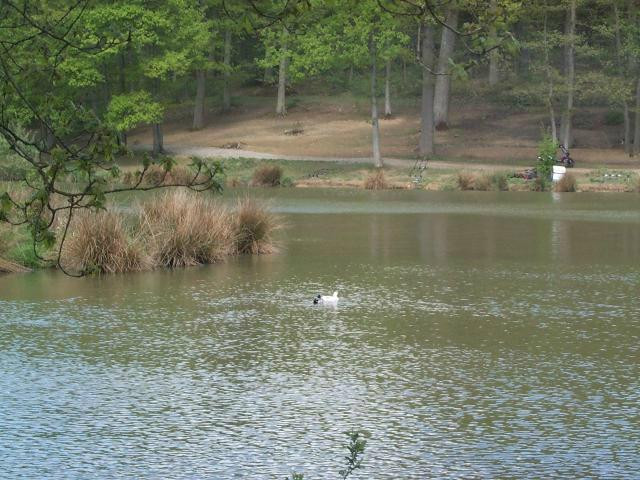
column 330, row 299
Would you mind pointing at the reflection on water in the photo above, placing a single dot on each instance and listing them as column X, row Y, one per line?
column 466, row 344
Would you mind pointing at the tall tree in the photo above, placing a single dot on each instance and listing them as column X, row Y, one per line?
column 426, row 146
column 570, row 74
column 443, row 78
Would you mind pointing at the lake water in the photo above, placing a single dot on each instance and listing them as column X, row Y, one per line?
column 479, row 335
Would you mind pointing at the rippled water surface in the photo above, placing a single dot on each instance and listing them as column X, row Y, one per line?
column 478, row 336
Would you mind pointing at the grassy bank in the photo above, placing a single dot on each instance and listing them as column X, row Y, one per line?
column 241, row 172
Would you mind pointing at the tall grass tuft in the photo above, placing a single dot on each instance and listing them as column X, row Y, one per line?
column 7, row 266
column 254, row 227
column 482, row 183
column 566, row 184
column 500, row 181
column 267, row 176
column 465, row 181
column 539, row 184
column 185, row 229
column 100, row 243
column 376, row 180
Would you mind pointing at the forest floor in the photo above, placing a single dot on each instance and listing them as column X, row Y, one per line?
column 481, row 137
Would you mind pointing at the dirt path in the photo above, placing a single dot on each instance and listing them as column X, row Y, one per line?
column 216, row 152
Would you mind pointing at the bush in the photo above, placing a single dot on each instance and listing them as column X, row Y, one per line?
column 376, row 180
column 465, row 181
column 185, row 229
column 254, row 226
column 100, row 243
column 566, row 184
column 287, row 182
column 614, row 117
column 546, row 155
column 267, row 176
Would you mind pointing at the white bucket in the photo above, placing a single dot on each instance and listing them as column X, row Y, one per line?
column 558, row 172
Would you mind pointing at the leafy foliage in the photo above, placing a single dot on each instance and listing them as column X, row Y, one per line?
column 546, row 155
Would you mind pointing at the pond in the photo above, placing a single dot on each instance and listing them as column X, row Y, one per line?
column 478, row 335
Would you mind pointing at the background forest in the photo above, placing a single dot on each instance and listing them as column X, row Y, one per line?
column 80, row 81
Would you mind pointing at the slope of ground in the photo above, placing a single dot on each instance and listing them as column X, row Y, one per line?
column 339, row 127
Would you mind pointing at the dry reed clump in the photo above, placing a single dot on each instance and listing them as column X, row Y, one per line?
column 465, row 181
column 7, row 266
column 482, row 183
column 254, row 226
column 267, row 176
column 100, row 243
column 185, row 229
column 376, row 181
column 566, row 184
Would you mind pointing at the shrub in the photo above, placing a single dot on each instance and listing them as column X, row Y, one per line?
column 465, row 181
column 267, row 176
column 376, row 180
column 566, row 184
column 546, row 155
column 100, row 243
column 614, row 117
column 287, row 182
column 185, row 229
column 254, row 226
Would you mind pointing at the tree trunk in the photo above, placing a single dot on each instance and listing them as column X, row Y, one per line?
column 158, row 146
column 426, row 116
column 281, row 108
column 198, row 109
column 550, row 94
column 636, row 136
column 387, row 91
column 350, row 74
column 570, row 72
column 443, row 80
column 494, row 55
column 226, row 95
column 375, row 128
column 627, row 139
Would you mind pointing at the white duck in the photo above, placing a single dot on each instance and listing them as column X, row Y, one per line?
column 330, row 299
